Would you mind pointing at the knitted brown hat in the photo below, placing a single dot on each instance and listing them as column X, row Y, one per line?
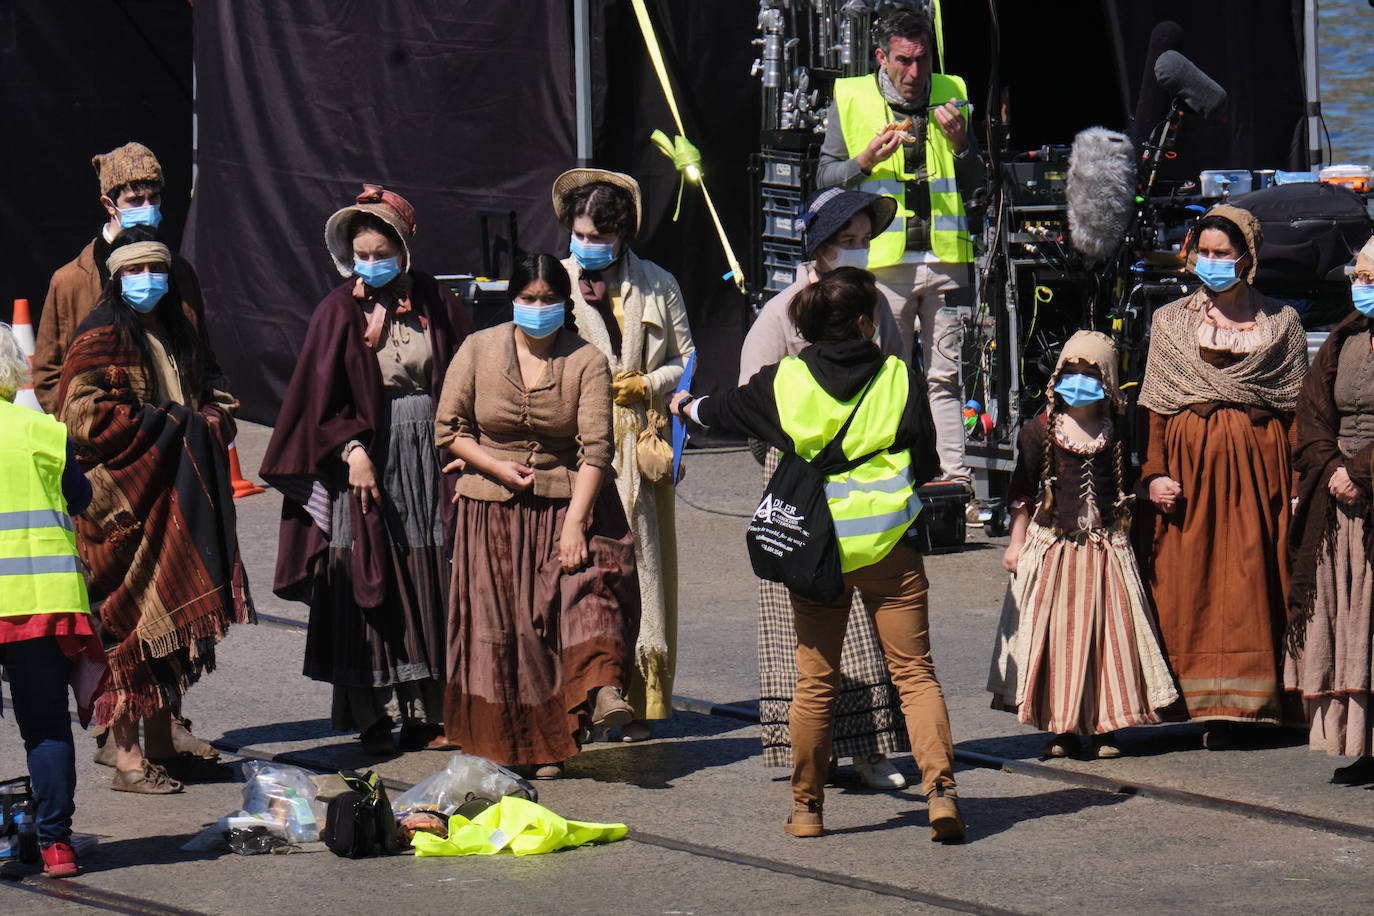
column 131, row 162
column 388, row 206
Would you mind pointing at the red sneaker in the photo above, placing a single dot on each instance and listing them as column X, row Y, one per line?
column 59, row 861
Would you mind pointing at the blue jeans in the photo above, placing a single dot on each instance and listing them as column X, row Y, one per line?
column 38, row 674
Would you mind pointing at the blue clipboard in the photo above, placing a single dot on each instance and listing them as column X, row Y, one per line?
column 679, row 425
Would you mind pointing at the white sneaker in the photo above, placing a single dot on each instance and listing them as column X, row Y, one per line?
column 878, row 772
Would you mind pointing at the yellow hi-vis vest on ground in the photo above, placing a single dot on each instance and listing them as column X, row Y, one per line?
column 874, row 504
column 40, row 569
column 863, row 114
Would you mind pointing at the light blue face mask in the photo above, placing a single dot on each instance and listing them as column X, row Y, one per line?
column 538, row 319
column 150, row 215
column 143, row 291
column 1363, row 297
column 592, row 255
column 1079, row 390
column 1219, row 274
column 377, row 274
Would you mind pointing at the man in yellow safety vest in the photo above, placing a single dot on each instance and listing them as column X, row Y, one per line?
column 929, row 168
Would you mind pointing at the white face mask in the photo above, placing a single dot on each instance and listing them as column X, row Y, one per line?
column 848, row 257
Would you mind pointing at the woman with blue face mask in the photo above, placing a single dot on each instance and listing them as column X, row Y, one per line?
column 1331, row 627
column 1221, row 384
column 838, row 226
column 152, row 426
column 545, row 602
column 632, row 311
column 367, row 516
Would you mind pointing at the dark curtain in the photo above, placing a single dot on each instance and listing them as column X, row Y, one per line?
column 74, row 84
column 707, row 51
column 454, row 105
column 1060, row 66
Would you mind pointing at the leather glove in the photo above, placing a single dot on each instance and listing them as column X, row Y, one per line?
column 630, row 388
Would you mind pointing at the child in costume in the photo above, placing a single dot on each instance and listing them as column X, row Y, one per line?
column 1078, row 651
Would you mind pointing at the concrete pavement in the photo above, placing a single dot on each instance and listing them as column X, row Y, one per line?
column 705, row 814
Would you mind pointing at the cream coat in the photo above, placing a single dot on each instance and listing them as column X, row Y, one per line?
column 657, row 341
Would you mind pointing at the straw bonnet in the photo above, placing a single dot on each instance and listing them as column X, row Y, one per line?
column 388, row 206
column 576, row 178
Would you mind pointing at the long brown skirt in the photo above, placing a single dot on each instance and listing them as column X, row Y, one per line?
column 1335, row 671
column 1217, row 568
column 528, row 643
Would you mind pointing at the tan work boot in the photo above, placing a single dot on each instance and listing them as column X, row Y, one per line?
column 805, row 820
column 610, row 709
column 942, row 807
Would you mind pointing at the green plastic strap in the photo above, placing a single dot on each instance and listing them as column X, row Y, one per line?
column 685, row 157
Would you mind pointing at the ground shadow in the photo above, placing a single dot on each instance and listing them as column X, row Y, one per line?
column 277, row 733
column 656, row 764
column 988, row 816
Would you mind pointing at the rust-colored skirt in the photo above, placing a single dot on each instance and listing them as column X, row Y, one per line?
column 1217, row 569
column 528, row 643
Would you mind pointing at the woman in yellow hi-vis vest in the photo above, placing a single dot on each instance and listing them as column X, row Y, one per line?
column 841, row 373
column 46, row 635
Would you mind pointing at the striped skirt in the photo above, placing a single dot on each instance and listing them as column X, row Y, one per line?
column 868, row 711
column 367, row 652
column 1077, row 648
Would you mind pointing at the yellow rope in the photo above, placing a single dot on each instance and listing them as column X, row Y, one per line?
column 685, row 157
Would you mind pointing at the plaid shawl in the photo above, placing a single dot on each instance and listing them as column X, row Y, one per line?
column 158, row 538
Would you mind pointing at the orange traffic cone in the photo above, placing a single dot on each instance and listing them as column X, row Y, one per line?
column 23, row 332
column 242, row 487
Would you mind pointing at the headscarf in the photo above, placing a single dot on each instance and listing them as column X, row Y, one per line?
column 1098, row 349
column 1249, row 227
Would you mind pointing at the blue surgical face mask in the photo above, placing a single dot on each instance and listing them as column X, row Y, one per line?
column 378, row 273
column 150, row 215
column 592, row 255
column 143, row 291
column 1079, row 390
column 1363, row 297
column 1219, row 274
column 538, row 319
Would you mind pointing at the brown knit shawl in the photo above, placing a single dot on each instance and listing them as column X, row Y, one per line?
column 1177, row 376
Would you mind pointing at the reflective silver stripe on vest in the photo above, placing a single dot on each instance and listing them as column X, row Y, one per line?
column 944, row 186
column 839, row 489
column 950, row 223
column 34, row 518
column 37, row 566
column 877, row 524
column 889, row 186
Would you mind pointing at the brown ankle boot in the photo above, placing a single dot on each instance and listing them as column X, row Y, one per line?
column 942, row 807
column 805, row 820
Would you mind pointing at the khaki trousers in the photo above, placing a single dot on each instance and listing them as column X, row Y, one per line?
column 894, row 592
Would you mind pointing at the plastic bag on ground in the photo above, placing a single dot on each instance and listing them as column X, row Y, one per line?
column 462, row 780
column 284, row 797
column 517, row 826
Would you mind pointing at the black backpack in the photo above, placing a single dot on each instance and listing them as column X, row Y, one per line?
column 359, row 823
column 792, row 536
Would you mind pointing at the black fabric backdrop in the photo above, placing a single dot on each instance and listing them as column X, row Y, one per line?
column 72, row 86
column 453, row 105
column 458, row 105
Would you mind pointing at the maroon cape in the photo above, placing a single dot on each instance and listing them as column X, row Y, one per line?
column 336, row 395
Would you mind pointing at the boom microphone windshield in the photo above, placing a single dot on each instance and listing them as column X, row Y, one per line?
column 1182, row 78
column 1101, row 193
